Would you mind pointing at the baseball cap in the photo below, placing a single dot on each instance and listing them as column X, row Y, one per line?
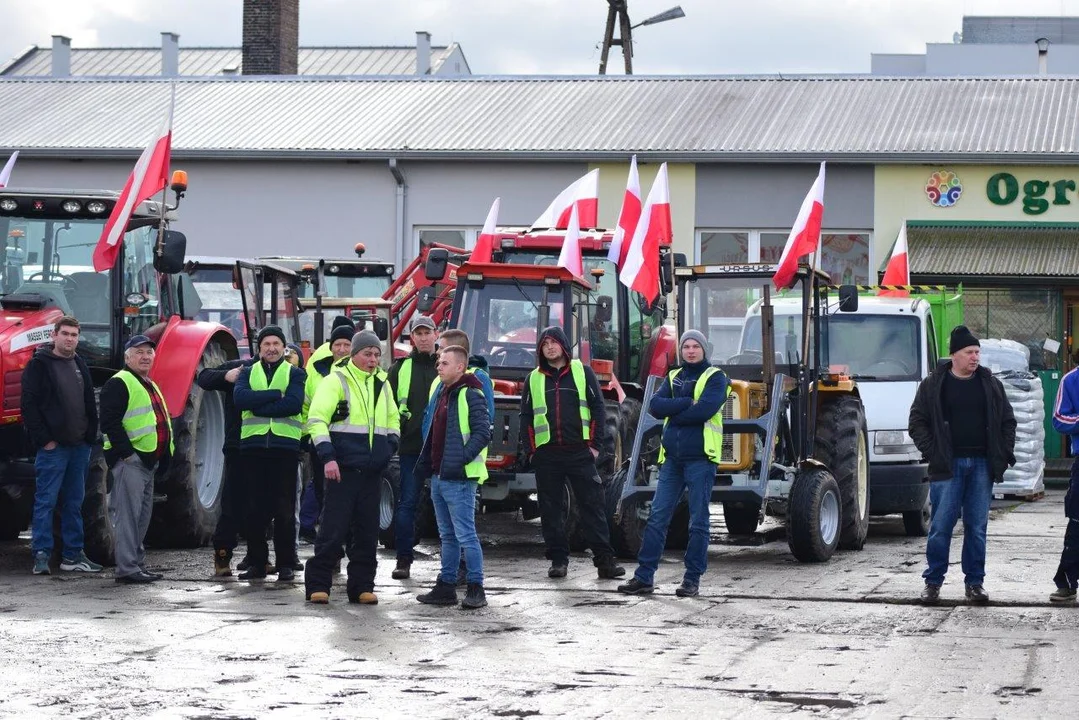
column 139, row 340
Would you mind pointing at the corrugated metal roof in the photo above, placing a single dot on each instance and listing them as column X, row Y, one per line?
column 210, row 61
column 1031, row 251
column 804, row 119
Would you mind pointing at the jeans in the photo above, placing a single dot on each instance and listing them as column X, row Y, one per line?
column 61, row 475
column 455, row 511
column 553, row 470
column 970, row 491
column 350, row 514
column 696, row 477
column 405, row 515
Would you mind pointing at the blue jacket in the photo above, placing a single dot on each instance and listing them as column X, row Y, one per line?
column 456, row 453
column 1066, row 409
column 683, row 438
column 270, row 403
column 480, row 366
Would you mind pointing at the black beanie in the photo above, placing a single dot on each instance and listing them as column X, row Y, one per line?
column 343, row 321
column 962, row 337
column 341, row 332
column 271, row 331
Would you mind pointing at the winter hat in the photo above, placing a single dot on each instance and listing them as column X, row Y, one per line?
column 271, row 331
column 343, row 321
column 341, row 332
column 694, row 335
column 962, row 337
column 363, row 340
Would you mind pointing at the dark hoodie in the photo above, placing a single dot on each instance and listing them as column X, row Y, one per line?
column 563, row 406
column 424, row 373
column 445, row 453
column 683, row 438
column 47, row 410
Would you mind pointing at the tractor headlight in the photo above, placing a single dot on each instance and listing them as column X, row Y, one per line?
column 8, row 205
column 893, row 442
column 71, row 206
column 96, row 207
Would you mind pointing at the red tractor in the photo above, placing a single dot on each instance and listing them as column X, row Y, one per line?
column 47, row 272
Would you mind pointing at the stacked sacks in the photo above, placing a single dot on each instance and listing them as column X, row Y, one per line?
column 1010, row 363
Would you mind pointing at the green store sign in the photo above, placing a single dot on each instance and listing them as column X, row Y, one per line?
column 1037, row 195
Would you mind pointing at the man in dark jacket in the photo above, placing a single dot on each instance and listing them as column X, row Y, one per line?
column 236, row 493
column 691, row 405
column 60, row 416
column 410, row 379
column 269, row 396
column 962, row 423
column 564, row 429
column 454, row 456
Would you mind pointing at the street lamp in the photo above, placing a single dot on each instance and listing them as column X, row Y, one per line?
column 617, row 12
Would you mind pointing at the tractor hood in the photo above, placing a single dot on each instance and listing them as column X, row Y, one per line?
column 26, row 329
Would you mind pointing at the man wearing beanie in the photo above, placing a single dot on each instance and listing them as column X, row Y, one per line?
column 962, row 423
column 410, row 380
column 269, row 396
column 690, row 403
column 355, row 427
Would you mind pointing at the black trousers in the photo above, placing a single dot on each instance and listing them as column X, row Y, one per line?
column 272, row 482
column 235, row 496
column 350, row 513
column 554, row 469
column 1068, row 571
column 318, row 480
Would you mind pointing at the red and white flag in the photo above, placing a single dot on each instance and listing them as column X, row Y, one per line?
column 150, row 176
column 805, row 235
column 5, row 174
column 485, row 243
column 570, row 256
column 582, row 194
column 641, row 269
column 628, row 218
column 897, row 271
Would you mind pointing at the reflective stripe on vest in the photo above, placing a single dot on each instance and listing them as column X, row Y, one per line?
column 359, row 420
column 537, row 387
column 713, row 427
column 140, row 421
column 252, row 425
column 476, row 469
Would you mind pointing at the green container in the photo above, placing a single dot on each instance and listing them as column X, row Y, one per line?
column 1050, row 384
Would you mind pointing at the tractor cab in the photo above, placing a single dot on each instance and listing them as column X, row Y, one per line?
column 268, row 295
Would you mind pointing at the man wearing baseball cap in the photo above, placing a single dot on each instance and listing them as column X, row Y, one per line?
column 138, row 444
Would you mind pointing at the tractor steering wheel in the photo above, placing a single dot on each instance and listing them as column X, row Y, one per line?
column 64, row 278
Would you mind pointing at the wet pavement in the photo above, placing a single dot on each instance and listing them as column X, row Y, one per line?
column 768, row 636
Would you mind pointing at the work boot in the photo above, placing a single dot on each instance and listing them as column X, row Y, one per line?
column 223, row 563
column 243, row 564
column 635, row 587
column 557, row 571
column 931, row 595
column 977, row 595
column 1062, row 595
column 318, row 597
column 286, row 574
column 475, row 598
column 608, row 569
column 364, row 598
column 403, row 569
column 443, row 593
column 41, row 563
column 687, row 589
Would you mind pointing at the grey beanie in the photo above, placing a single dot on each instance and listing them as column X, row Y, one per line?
column 363, row 340
column 693, row 335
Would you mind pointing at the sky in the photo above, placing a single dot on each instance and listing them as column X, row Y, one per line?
column 546, row 37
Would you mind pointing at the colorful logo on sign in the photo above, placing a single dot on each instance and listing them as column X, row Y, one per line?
column 943, row 188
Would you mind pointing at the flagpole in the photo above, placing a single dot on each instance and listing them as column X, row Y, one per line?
column 159, row 250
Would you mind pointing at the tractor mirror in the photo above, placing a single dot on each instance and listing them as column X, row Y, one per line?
column 848, row 298
column 190, row 302
column 425, row 300
column 680, row 260
column 381, row 327
column 173, row 248
column 437, row 262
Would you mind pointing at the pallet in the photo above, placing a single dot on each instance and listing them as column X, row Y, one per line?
column 1025, row 497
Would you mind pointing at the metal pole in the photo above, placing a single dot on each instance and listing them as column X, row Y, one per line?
column 608, row 37
column 627, row 39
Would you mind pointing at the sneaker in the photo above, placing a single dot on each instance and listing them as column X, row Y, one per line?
column 636, row 587
column 80, row 563
column 687, row 589
column 223, row 563
column 1062, row 595
column 557, row 571
column 930, row 595
column 977, row 595
column 318, row 597
column 609, row 570
column 41, row 563
column 286, row 574
column 475, row 598
column 403, row 569
column 442, row 594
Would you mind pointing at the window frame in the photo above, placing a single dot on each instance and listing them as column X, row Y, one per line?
column 754, row 246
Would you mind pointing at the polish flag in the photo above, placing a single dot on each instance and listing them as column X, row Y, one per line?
column 582, row 194
column 897, row 271
column 5, row 174
column 150, row 176
column 570, row 257
column 485, row 243
column 805, row 235
column 641, row 269
column 627, row 218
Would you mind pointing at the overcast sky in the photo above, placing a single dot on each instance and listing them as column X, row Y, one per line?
column 545, row 36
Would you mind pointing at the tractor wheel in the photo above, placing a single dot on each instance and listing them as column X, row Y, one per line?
column 426, row 522
column 630, row 409
column 99, row 540
column 195, row 476
column 389, row 494
column 814, row 515
column 612, row 493
column 631, row 525
column 571, row 521
column 916, row 522
column 841, row 445
column 13, row 517
column 741, row 519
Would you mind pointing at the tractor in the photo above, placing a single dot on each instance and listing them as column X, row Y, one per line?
column 795, row 440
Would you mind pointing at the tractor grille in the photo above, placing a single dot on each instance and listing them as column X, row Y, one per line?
column 732, row 450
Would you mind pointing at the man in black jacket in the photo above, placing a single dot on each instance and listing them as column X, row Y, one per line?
column 60, row 415
column 564, row 428
column 962, row 423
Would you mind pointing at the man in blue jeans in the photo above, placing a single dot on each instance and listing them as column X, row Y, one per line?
column 690, row 402
column 454, row 456
column 60, row 416
column 963, row 424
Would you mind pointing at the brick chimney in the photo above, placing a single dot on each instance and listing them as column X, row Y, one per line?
column 271, row 37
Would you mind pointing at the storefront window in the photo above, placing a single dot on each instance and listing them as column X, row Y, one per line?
column 724, row 248
column 772, row 247
column 846, row 258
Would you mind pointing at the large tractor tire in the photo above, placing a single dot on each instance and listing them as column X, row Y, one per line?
column 741, row 519
column 630, row 410
column 842, row 446
column 389, row 495
column 99, row 541
column 195, row 476
column 814, row 515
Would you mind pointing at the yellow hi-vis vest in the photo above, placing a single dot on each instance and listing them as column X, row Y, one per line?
column 713, row 428
column 140, row 422
column 359, row 421
column 252, row 425
column 537, row 388
column 476, row 469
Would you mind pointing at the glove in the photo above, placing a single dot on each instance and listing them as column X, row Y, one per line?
column 340, row 414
